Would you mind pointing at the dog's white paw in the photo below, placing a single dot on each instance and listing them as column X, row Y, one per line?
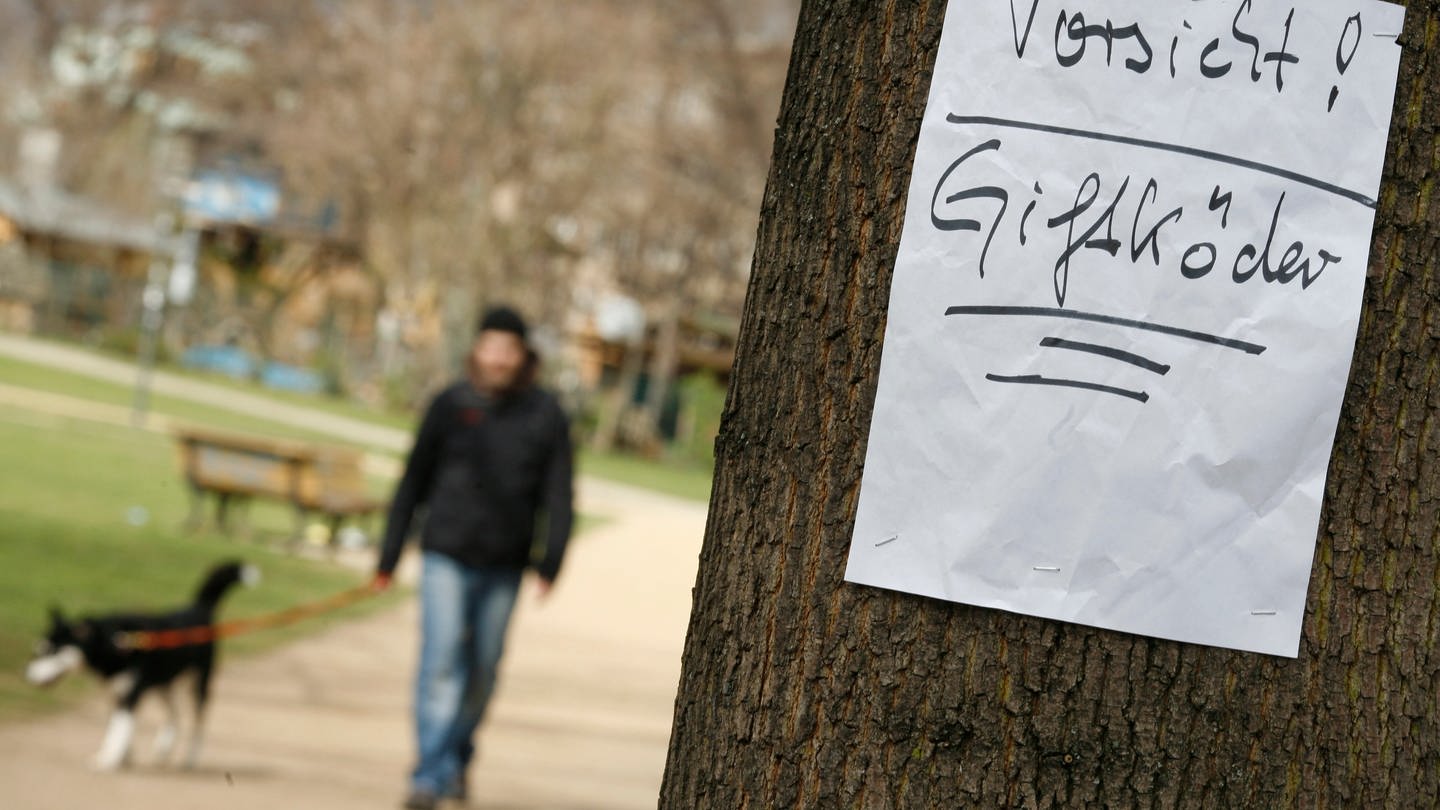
column 115, row 750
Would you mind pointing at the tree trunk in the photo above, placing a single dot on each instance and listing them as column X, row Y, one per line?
column 801, row 691
column 661, row 375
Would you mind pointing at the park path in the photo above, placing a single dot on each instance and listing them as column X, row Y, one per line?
column 80, row 361
column 581, row 718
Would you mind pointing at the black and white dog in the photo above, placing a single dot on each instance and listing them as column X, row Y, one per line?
column 96, row 642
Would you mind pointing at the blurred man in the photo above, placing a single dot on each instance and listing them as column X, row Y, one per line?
column 492, row 455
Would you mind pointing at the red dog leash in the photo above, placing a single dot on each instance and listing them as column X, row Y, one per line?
column 142, row 640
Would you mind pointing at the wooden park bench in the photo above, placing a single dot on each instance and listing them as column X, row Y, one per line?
column 333, row 484
column 235, row 469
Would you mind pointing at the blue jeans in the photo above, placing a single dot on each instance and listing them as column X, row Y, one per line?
column 464, row 612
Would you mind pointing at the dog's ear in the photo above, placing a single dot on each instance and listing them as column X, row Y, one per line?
column 56, row 617
column 82, row 631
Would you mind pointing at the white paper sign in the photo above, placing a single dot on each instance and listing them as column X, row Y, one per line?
column 1123, row 311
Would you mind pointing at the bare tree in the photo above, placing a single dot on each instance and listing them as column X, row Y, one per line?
column 477, row 150
column 799, row 691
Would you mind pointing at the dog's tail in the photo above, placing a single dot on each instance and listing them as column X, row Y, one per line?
column 221, row 579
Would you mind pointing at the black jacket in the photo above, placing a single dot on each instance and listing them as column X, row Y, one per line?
column 486, row 470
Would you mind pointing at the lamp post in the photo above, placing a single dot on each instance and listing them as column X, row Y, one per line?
column 152, row 315
column 171, row 260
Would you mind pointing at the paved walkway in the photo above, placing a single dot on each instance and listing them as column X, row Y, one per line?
column 581, row 718
column 79, row 361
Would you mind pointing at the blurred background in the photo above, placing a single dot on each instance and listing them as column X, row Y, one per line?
column 263, row 231
column 326, row 193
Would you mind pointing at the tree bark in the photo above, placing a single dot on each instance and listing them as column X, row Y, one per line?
column 801, row 691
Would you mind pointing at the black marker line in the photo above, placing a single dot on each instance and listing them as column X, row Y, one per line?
column 1107, row 351
column 1052, row 312
column 1036, row 379
column 1356, row 196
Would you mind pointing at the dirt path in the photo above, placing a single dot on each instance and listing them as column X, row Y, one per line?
column 580, row 721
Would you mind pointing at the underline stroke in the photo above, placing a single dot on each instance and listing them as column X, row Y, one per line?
column 1053, row 312
column 1363, row 199
column 1036, row 379
column 1107, row 351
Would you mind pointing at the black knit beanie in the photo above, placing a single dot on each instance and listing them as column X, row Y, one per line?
column 503, row 319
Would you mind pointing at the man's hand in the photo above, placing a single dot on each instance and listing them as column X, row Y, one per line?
column 380, row 583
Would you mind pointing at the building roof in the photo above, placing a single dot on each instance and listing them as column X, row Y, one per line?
column 59, row 213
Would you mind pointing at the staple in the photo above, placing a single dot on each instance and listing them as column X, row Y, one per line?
column 892, row 538
column 1051, row 568
column 1262, row 613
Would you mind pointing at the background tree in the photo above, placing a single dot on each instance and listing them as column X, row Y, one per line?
column 801, row 691
column 544, row 152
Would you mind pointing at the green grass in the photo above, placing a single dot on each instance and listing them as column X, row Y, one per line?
column 44, row 378
column 70, row 487
column 691, row 481
column 69, row 490
column 325, row 403
column 66, row 491
column 315, row 402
